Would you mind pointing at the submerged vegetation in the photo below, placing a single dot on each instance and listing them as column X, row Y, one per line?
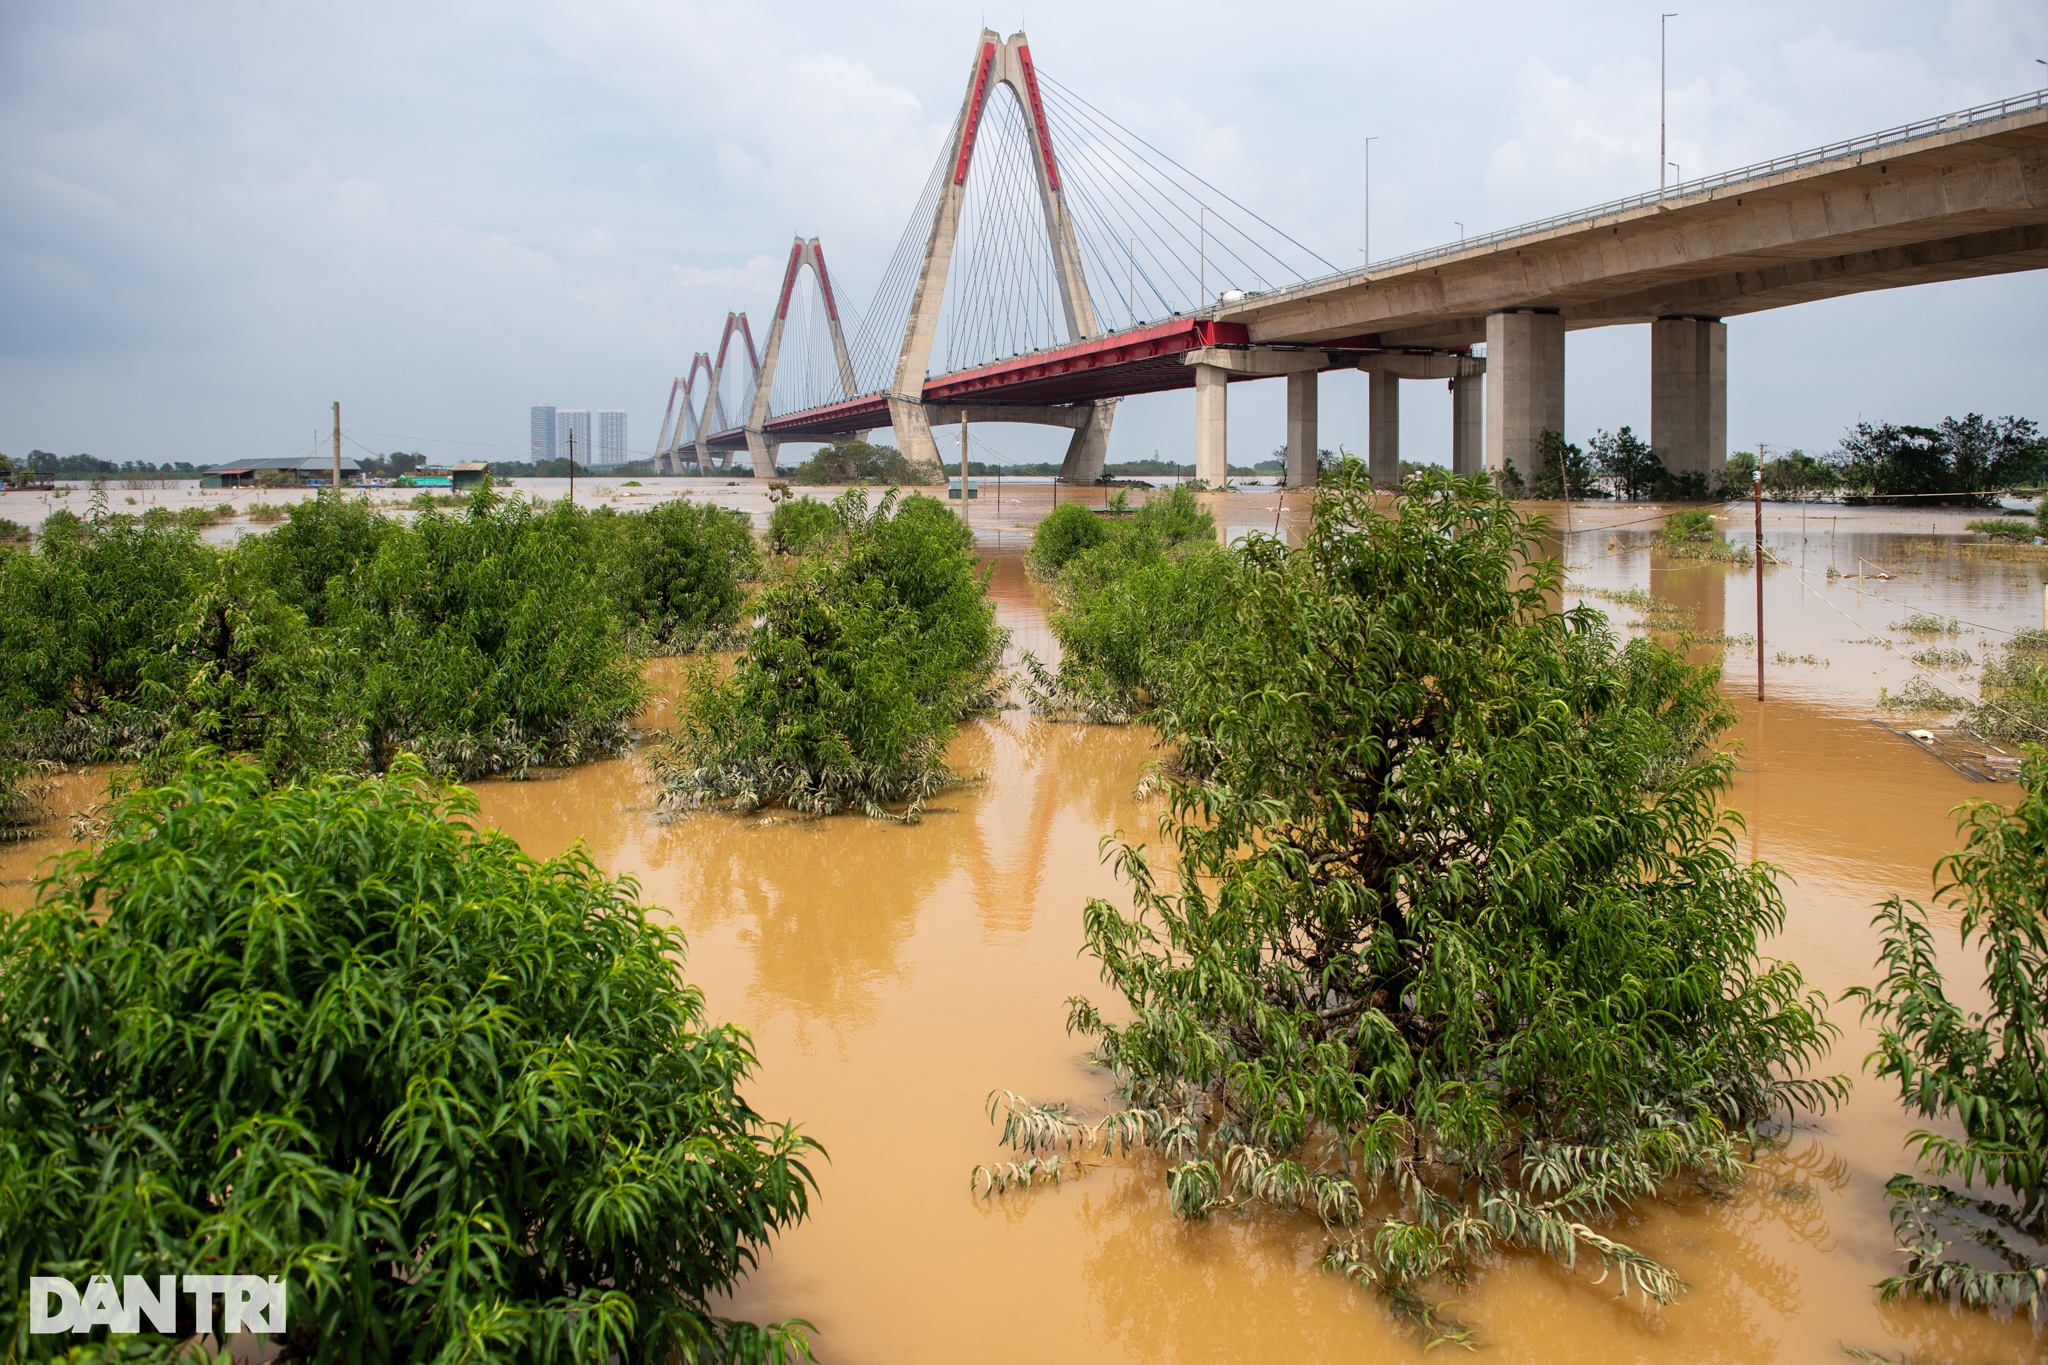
column 461, row 1100
column 487, row 640
column 1129, row 599
column 678, row 573
column 866, row 655
column 1454, row 952
column 1981, row 1076
column 1692, row 534
column 799, row 525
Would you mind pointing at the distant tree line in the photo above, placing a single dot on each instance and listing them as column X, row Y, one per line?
column 1968, row 458
column 44, row 464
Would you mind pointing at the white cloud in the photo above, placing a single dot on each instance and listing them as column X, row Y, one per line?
column 215, row 219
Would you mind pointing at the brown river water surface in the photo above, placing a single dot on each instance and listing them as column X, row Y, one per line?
column 892, row 976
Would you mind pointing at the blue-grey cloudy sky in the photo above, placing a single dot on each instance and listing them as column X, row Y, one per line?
column 216, row 218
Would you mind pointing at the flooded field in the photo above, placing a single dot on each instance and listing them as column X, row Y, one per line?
column 893, row 976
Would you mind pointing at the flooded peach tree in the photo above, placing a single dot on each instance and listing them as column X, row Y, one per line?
column 1452, row 949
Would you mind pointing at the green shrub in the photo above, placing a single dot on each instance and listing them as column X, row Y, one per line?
column 2003, row 528
column 2013, row 693
column 851, row 461
column 677, row 572
column 322, row 545
column 244, row 673
column 1454, row 953
column 1174, row 518
column 1066, row 531
column 13, row 532
column 1981, row 1075
column 488, row 644
column 799, row 525
column 83, row 621
column 1126, row 608
column 460, row 1100
column 862, row 663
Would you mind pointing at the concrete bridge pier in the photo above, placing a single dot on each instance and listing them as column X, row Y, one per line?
column 1386, row 370
column 1383, row 429
column 1525, row 362
column 1212, row 425
column 1088, row 447
column 1689, row 395
column 1468, row 423
column 1302, row 398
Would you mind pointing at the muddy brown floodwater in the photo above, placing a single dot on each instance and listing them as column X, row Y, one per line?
column 892, row 976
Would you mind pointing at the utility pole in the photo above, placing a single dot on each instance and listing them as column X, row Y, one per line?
column 1662, row 149
column 1366, row 249
column 337, row 449
column 1756, row 483
column 572, row 464
column 964, row 485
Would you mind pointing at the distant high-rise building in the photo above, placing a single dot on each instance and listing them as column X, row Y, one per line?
column 611, row 437
column 575, row 420
column 543, row 423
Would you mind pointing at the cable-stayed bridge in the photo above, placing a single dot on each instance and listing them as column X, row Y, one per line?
column 1056, row 262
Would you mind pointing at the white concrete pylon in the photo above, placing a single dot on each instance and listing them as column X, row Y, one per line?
column 802, row 253
column 714, row 415
column 998, row 61
column 661, row 460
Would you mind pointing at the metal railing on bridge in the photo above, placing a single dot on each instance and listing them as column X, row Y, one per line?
column 1869, row 142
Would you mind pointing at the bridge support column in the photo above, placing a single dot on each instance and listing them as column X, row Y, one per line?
column 1468, row 423
column 1383, row 430
column 1525, row 362
column 1689, row 395
column 1088, row 447
column 1302, row 395
column 761, row 449
column 913, row 430
column 1212, row 425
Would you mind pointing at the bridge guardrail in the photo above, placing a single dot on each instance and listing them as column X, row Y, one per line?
column 1890, row 137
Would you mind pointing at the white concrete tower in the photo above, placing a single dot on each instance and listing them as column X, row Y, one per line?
column 998, row 61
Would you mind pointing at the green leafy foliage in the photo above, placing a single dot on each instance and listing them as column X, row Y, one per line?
column 83, row 619
column 2004, row 528
column 851, row 461
column 2013, row 692
column 1795, row 476
column 1966, row 456
column 460, row 1100
column 677, row 573
column 485, row 641
column 1065, row 532
column 1126, row 606
column 1627, row 461
column 865, row 657
column 1563, row 470
column 1694, row 534
column 1453, row 952
column 798, row 526
column 1983, row 1076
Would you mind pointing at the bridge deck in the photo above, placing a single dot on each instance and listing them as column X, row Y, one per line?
column 1957, row 197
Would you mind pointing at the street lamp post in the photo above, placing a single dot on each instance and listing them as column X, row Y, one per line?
column 1366, row 250
column 1662, row 149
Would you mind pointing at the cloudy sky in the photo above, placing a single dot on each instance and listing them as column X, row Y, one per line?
column 217, row 218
